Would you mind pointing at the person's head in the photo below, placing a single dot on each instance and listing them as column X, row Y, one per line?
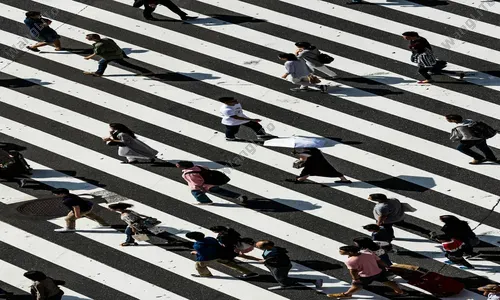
column 195, row 235
column 121, row 128
column 303, row 45
column 120, row 206
column 452, row 118
column 442, row 238
column 349, row 250
column 489, row 288
column 35, row 275
column 61, row 192
column 447, row 219
column 228, row 100
column 218, row 229
column 33, row 14
column 264, row 245
column 287, row 56
column 371, row 227
column 366, row 243
column 410, row 35
column 94, row 37
column 184, row 164
column 377, row 197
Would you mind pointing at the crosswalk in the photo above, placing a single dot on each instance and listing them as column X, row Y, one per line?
column 384, row 131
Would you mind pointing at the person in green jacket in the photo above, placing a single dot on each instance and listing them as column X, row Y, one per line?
column 109, row 51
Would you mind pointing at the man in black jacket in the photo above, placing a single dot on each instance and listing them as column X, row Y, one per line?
column 279, row 264
column 150, row 6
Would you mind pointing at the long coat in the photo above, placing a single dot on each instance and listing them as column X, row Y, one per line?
column 134, row 147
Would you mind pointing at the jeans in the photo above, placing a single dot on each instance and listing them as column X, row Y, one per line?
column 202, row 197
column 231, row 131
column 103, row 64
column 148, row 10
column 281, row 276
column 129, row 233
column 390, row 230
column 71, row 220
column 465, row 148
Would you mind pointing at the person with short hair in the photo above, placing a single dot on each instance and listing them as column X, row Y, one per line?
column 279, row 264
column 380, row 236
column 150, row 6
column 109, row 51
column 310, row 54
column 78, row 208
column 44, row 288
column 492, row 291
column 40, row 29
column 365, row 268
column 208, row 251
column 464, row 135
column 299, row 73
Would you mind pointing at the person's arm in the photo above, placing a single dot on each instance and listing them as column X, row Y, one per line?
column 289, row 70
column 76, row 211
column 381, row 264
column 381, row 219
column 249, row 257
column 354, row 274
column 196, row 180
column 90, row 56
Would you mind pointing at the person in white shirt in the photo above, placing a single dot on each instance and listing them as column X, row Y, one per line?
column 233, row 117
column 298, row 72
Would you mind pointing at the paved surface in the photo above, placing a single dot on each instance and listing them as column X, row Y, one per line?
column 384, row 131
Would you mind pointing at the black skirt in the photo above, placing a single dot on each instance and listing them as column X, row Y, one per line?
column 317, row 165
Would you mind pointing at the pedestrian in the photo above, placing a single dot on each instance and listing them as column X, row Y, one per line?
column 423, row 55
column 380, row 236
column 78, row 208
column 109, row 51
column 232, row 242
column 208, row 252
column 9, row 170
column 233, row 117
column 454, row 250
column 315, row 164
column 136, row 223
column 40, row 29
column 193, row 175
column 460, row 230
column 367, row 245
column 313, row 58
column 467, row 137
column 492, row 291
column 150, row 6
column 129, row 145
column 299, row 73
column 277, row 261
column 44, row 288
column 365, row 268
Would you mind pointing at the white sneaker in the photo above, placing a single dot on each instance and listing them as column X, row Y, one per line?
column 64, row 230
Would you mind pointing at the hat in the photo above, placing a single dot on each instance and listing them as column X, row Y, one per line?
column 35, row 275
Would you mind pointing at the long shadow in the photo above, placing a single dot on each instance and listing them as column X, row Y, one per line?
column 130, row 51
column 431, row 3
column 11, row 147
column 22, row 83
column 395, row 183
column 71, row 50
column 340, row 140
column 171, row 76
column 388, row 79
column 216, row 18
column 262, row 204
column 319, row 265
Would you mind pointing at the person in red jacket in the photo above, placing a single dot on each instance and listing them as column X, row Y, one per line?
column 454, row 250
column 150, row 6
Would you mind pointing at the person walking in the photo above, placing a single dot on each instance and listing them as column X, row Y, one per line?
column 454, row 250
column 10, row 170
column 492, row 291
column 365, row 268
column 315, row 164
column 193, row 175
column 312, row 57
column 279, row 264
column 423, row 55
column 465, row 134
column 43, row 287
column 232, row 242
column 299, row 73
column 208, row 251
column 380, row 236
column 367, row 245
column 78, row 208
column 150, row 6
column 233, row 117
column 40, row 29
column 389, row 212
column 460, row 230
column 109, row 51
column 129, row 145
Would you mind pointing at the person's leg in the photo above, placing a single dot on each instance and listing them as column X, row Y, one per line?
column 483, row 147
column 425, row 73
column 394, row 286
column 231, row 131
column 70, row 220
column 302, row 81
column 389, row 229
column 465, row 148
column 280, row 275
column 327, row 71
column 201, row 196
column 132, row 66
column 91, row 215
column 129, row 233
column 57, row 44
column 256, row 127
column 101, row 67
column 202, row 268
column 148, row 12
column 223, row 192
column 174, row 8
column 233, row 265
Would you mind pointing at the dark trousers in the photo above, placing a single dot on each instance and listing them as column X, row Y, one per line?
column 465, row 148
column 424, row 71
column 413, row 227
column 148, row 10
column 281, row 276
column 103, row 64
column 231, row 131
column 203, row 198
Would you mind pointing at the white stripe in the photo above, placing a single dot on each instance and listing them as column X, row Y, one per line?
column 13, row 276
column 486, row 5
column 9, row 195
column 83, row 265
column 234, row 212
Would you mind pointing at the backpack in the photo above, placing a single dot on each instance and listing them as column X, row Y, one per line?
column 213, row 177
column 325, row 58
column 482, row 130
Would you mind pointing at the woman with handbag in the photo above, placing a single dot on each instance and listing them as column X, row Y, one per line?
column 136, row 223
column 315, row 164
column 299, row 73
column 128, row 145
column 315, row 60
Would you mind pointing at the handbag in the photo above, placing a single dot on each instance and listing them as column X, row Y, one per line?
column 141, row 237
column 299, row 164
column 313, row 79
column 408, row 208
column 325, row 58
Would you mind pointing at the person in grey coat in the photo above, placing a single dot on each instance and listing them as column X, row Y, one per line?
column 299, row 73
column 309, row 53
column 128, row 145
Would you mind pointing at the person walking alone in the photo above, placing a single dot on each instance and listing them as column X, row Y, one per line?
column 43, row 287
column 40, row 29
column 466, row 136
column 78, row 208
column 129, row 146
column 233, row 117
column 460, row 230
column 299, row 73
column 315, row 164
column 150, row 6
column 109, row 51
column 312, row 57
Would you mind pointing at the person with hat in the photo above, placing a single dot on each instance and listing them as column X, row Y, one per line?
column 44, row 288
column 492, row 291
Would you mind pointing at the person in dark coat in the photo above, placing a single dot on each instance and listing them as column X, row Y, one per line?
column 460, row 230
column 44, row 288
column 150, row 6
column 315, row 164
column 9, row 170
column 39, row 29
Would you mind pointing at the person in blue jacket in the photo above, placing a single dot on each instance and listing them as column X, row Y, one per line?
column 39, row 29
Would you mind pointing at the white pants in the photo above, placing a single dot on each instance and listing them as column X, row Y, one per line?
column 303, row 81
column 323, row 69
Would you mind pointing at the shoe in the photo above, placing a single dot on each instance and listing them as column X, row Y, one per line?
column 343, row 181
column 242, row 199
column 152, row 160
column 264, row 136
column 462, row 75
column 248, row 276
column 324, row 88
column 477, row 162
column 64, row 230
column 186, row 18
column 339, row 296
column 33, row 49
column 319, row 284
column 231, row 139
column 425, row 81
column 466, row 268
column 132, row 162
column 128, row 244
column 449, row 262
